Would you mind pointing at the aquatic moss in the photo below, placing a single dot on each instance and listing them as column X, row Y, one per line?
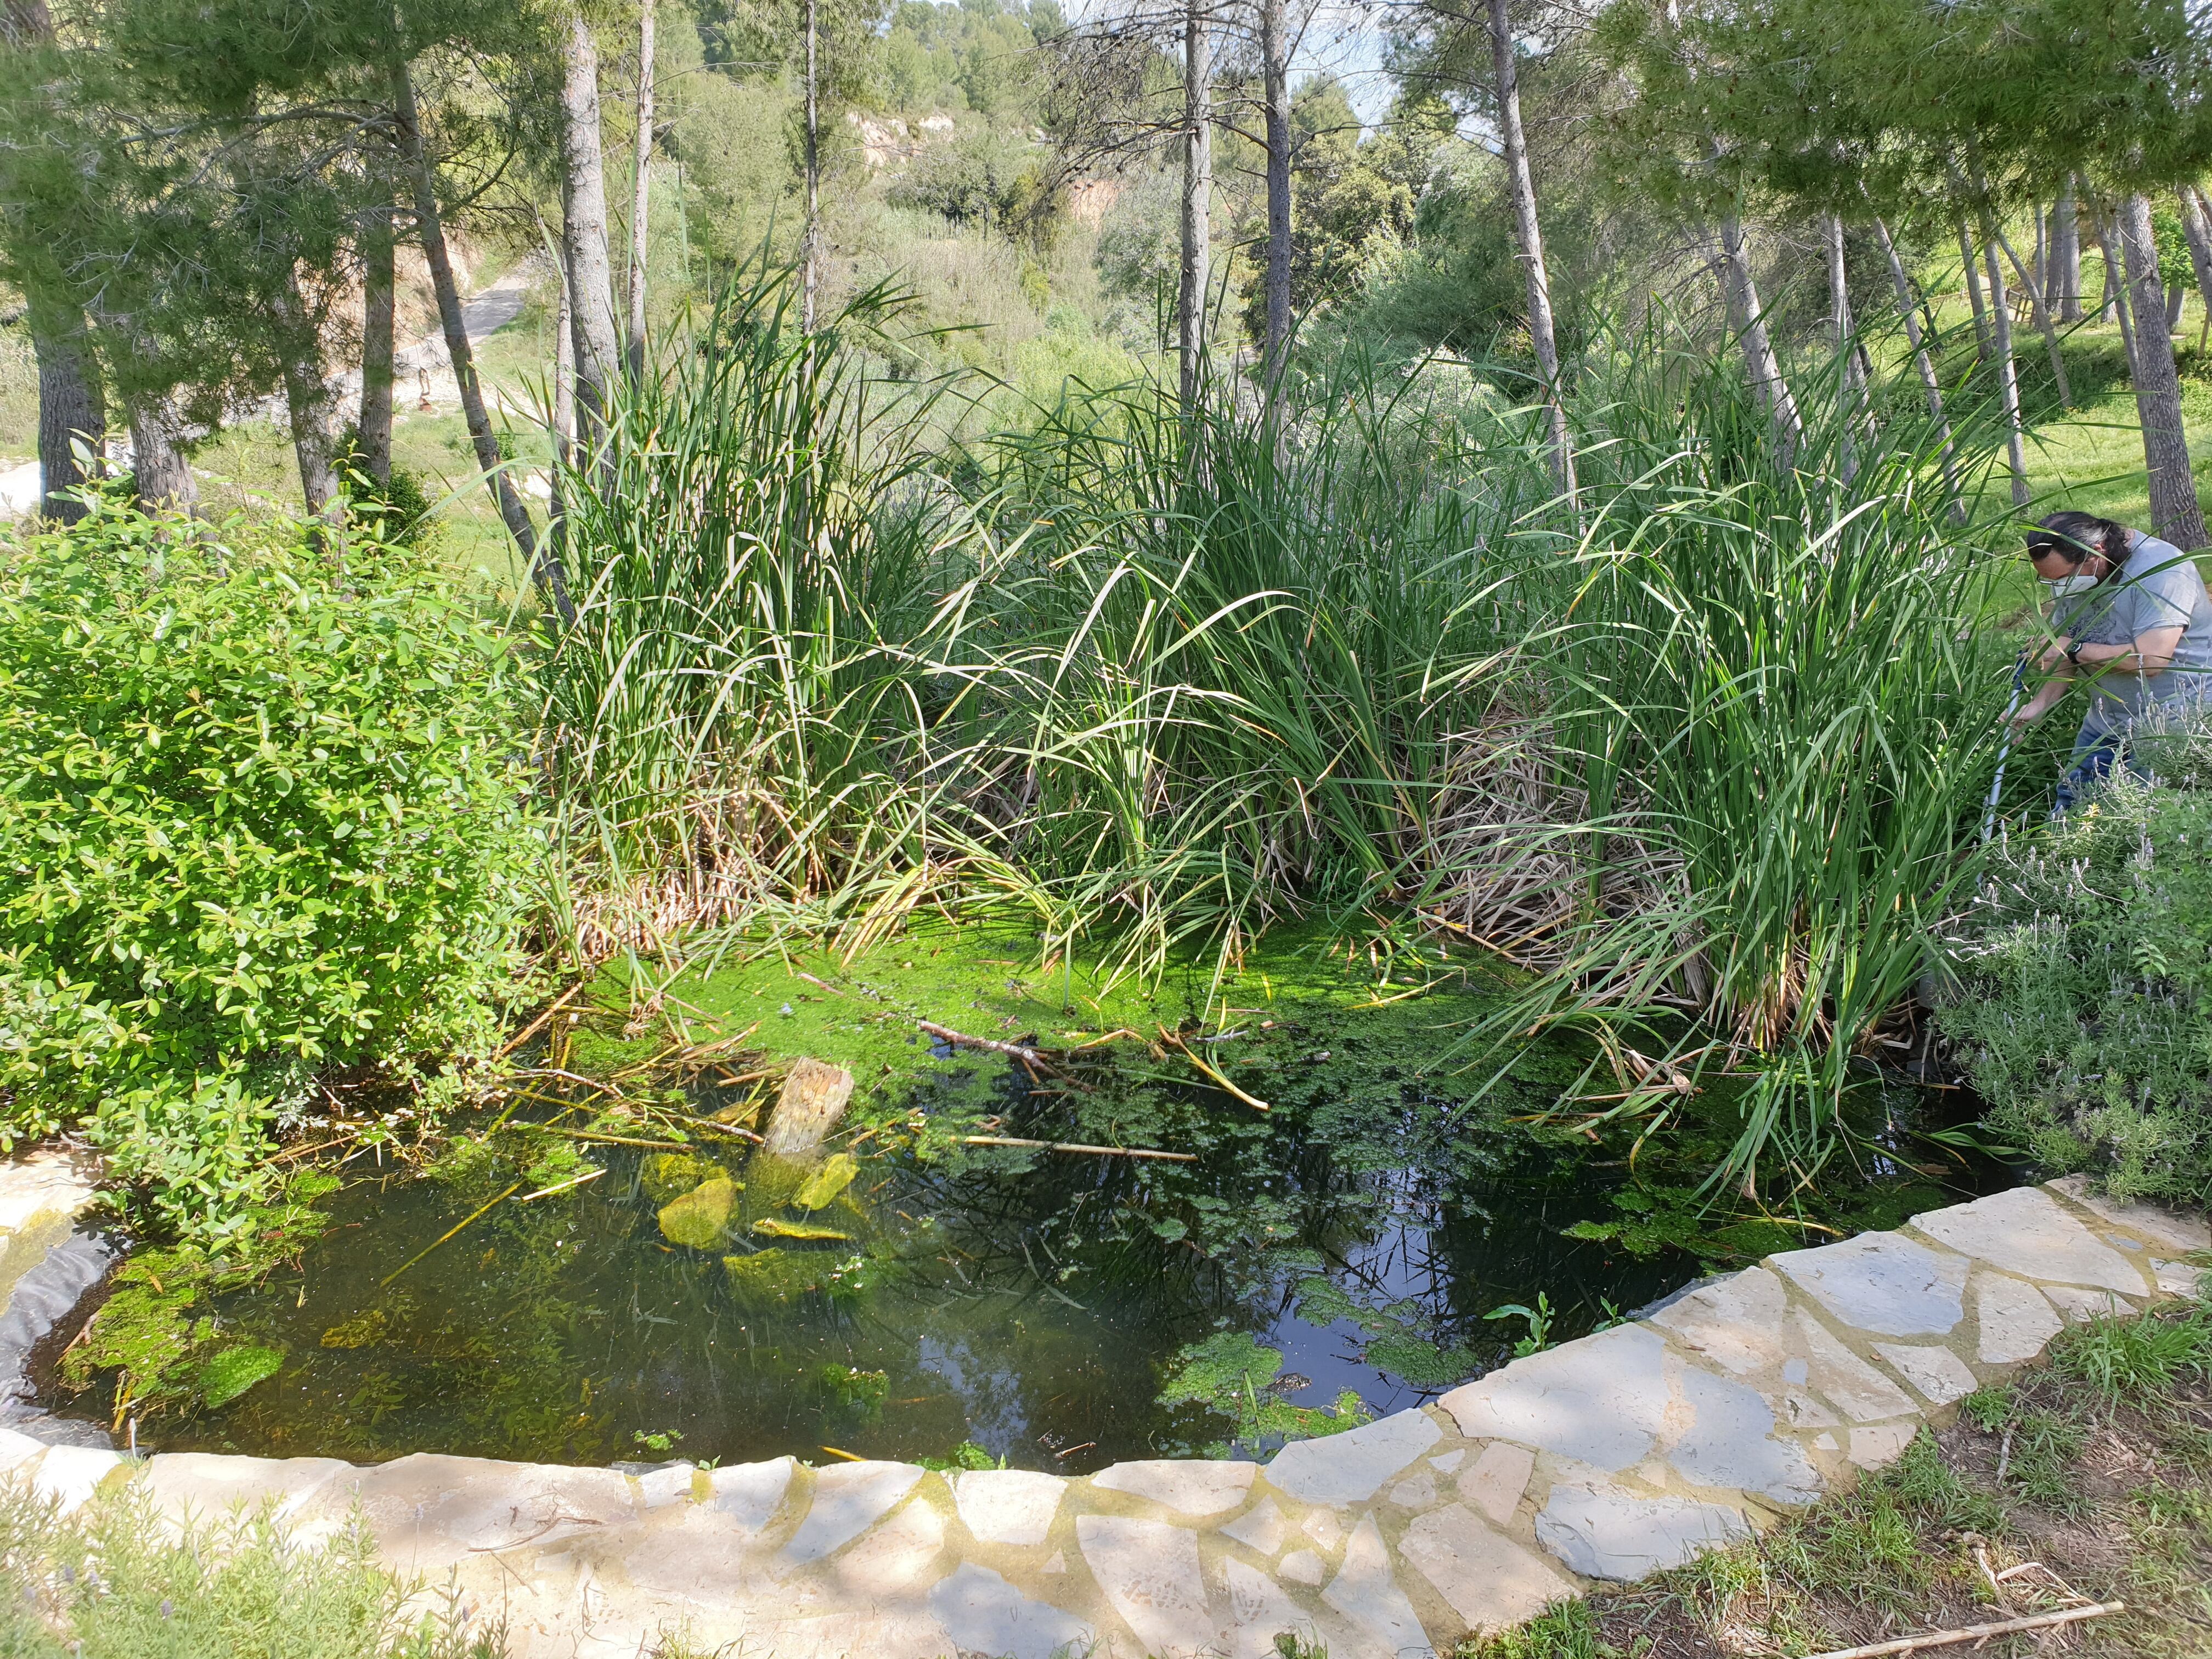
column 233, row 1370
column 698, row 1219
column 361, row 1331
column 1232, row 1375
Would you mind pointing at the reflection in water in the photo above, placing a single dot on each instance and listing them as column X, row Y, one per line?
column 1026, row 1304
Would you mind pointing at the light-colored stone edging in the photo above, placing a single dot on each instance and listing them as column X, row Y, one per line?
column 1606, row 1457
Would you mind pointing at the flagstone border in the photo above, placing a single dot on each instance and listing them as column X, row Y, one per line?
column 1635, row 1449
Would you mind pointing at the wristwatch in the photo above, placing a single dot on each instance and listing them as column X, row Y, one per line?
column 2073, row 652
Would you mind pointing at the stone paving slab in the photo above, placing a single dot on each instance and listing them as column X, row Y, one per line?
column 1606, row 1457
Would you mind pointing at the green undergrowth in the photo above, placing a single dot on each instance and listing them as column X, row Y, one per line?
column 114, row 1580
column 263, row 815
column 2088, row 1478
column 2082, row 1006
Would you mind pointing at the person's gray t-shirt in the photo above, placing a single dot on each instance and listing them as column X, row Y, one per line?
column 2160, row 587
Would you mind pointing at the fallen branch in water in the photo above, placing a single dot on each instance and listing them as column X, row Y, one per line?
column 538, row 1024
column 595, row 1137
column 1072, row 1146
column 1020, row 1051
column 548, row 1192
column 443, row 1236
column 1975, row 1633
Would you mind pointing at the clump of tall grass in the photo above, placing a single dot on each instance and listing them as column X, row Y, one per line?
column 1772, row 687
column 737, row 717
column 1703, row 744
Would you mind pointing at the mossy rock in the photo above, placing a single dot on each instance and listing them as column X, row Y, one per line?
column 772, row 1183
column 769, row 1278
column 820, row 1188
column 698, row 1219
column 668, row 1176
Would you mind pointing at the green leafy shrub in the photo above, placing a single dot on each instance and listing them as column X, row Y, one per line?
column 2082, row 1008
column 258, row 816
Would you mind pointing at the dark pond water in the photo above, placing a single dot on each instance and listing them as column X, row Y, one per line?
column 1059, row 1311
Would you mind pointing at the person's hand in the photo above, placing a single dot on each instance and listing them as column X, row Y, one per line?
column 2024, row 716
column 2054, row 656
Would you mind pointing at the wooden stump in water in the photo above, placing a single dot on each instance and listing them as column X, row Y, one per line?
column 814, row 1098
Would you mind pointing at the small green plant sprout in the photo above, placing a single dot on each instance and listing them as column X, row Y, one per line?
column 1988, row 1409
column 1540, row 1324
column 660, row 1440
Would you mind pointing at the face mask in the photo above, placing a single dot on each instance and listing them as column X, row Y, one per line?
column 2066, row 585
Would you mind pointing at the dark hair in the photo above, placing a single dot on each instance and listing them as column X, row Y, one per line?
column 2074, row 536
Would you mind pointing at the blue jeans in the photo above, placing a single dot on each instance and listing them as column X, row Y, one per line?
column 2095, row 754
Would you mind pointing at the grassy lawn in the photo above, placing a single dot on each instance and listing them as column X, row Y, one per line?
column 2089, row 1477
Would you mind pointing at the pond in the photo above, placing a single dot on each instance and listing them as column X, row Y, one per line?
column 1334, row 1237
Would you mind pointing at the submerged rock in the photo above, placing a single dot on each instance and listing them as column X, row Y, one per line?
column 699, row 1219
column 813, row 1100
column 822, row 1187
column 773, row 1276
column 667, row 1176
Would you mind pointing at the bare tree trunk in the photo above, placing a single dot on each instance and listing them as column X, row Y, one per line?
column 1543, row 336
column 1747, row 317
column 1921, row 361
column 1974, row 292
column 1846, row 344
column 2199, row 232
column 544, row 563
column 564, row 422
column 70, row 408
column 813, row 236
column 1275, row 71
column 2116, row 298
column 307, row 401
column 2064, row 285
column 640, row 202
column 379, row 284
column 2040, row 282
column 2174, row 509
column 162, row 478
column 2042, row 315
column 2008, row 372
column 1197, row 205
column 583, row 225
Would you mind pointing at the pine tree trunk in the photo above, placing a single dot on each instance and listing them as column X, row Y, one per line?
column 69, row 407
column 2039, row 284
column 379, row 288
column 1528, row 233
column 1929, row 382
column 1194, row 272
column 162, row 478
column 307, row 402
column 545, row 564
column 2007, row 371
column 640, row 201
column 1974, row 293
column 1747, row 317
column 812, row 277
column 2063, row 286
column 584, row 226
column 2115, row 297
column 2198, row 232
column 1275, row 71
column 2174, row 510
column 2043, row 322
